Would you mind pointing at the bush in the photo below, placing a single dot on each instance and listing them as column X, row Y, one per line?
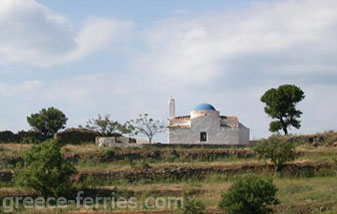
column 277, row 150
column 76, row 136
column 46, row 171
column 30, row 140
column 7, row 137
column 25, row 137
column 192, row 206
column 249, row 194
column 28, row 137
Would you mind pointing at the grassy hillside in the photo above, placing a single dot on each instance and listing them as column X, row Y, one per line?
column 307, row 185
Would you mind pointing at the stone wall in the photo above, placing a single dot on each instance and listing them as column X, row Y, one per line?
column 171, row 155
column 181, row 173
column 118, row 141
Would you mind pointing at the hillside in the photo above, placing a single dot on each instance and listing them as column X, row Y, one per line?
column 306, row 185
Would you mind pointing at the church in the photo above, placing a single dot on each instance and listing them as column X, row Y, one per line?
column 205, row 125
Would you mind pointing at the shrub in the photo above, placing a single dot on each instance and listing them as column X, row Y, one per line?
column 277, row 150
column 192, row 206
column 7, row 137
column 29, row 137
column 249, row 194
column 46, row 171
column 29, row 140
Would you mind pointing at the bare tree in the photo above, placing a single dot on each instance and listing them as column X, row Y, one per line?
column 104, row 125
column 146, row 125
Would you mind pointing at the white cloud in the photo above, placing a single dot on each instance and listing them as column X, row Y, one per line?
column 34, row 35
column 27, row 89
column 289, row 34
column 99, row 32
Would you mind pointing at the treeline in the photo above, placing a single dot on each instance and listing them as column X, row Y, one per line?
column 73, row 136
column 24, row 137
column 47, row 123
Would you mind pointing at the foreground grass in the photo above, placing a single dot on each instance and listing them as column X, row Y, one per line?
column 292, row 192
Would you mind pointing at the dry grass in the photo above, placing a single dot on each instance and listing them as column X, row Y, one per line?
column 13, row 149
column 292, row 192
column 160, row 165
column 82, row 150
column 13, row 192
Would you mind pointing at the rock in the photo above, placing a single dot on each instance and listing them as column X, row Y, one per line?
column 105, row 141
column 117, row 141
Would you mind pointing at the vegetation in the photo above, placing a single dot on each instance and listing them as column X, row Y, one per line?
column 46, row 171
column 47, row 121
column 146, row 125
column 277, row 150
column 280, row 105
column 106, row 126
column 300, row 191
column 249, row 194
column 191, row 205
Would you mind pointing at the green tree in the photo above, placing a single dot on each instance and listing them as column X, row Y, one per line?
column 46, row 171
column 191, row 205
column 249, row 194
column 146, row 125
column 106, row 126
column 277, row 150
column 47, row 121
column 280, row 105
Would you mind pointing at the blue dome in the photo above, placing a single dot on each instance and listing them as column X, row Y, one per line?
column 204, row 107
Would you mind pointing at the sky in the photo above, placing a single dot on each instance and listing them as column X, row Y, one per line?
column 127, row 57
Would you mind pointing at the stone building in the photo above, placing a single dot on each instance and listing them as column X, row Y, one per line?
column 205, row 125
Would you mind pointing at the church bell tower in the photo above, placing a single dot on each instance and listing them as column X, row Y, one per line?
column 172, row 108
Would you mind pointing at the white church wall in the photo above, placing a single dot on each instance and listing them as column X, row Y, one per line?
column 208, row 122
column 228, row 136
column 180, row 136
column 220, row 130
column 192, row 136
column 244, row 134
